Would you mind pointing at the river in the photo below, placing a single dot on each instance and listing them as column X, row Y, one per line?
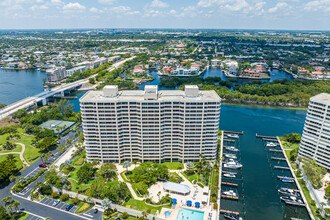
column 261, row 198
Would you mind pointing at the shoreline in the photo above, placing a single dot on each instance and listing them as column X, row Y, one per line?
column 245, row 104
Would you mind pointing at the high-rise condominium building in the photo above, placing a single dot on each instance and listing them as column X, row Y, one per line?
column 315, row 142
column 150, row 125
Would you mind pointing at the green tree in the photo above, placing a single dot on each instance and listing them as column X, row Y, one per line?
column 126, row 165
column 107, row 171
column 86, row 172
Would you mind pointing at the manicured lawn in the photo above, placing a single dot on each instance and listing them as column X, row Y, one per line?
column 74, row 181
column 78, row 158
column 18, row 148
column 308, row 198
column 192, row 178
column 24, row 215
column 83, row 207
column 174, row 165
column 141, row 206
column 19, row 163
column 30, row 153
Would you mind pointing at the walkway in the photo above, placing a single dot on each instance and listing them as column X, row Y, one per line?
column 20, row 154
column 120, row 169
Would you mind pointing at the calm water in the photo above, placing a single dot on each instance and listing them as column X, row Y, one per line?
column 17, row 85
column 261, row 199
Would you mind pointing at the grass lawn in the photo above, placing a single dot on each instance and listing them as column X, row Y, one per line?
column 192, row 178
column 141, row 206
column 19, row 163
column 74, row 181
column 78, row 158
column 24, row 215
column 83, row 207
column 18, row 148
column 30, row 153
column 174, row 165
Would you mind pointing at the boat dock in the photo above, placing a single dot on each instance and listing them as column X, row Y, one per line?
column 277, row 158
column 285, row 177
column 229, row 172
column 229, row 140
column 229, row 184
column 273, row 150
column 265, row 137
column 298, row 204
column 227, row 211
column 281, row 168
column 233, row 132
column 229, row 197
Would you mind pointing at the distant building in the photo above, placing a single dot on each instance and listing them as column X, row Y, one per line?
column 56, row 74
column 315, row 142
column 70, row 72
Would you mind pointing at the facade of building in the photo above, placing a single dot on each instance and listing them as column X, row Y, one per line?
column 315, row 142
column 56, row 74
column 150, row 125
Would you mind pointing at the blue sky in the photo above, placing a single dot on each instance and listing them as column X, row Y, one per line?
column 222, row 14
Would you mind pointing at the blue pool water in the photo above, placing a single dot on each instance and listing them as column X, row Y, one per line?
column 188, row 214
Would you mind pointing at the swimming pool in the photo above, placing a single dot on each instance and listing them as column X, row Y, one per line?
column 188, row 214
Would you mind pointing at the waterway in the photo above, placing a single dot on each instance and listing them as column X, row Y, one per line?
column 261, row 198
column 17, row 85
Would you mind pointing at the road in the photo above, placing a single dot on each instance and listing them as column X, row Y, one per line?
column 43, row 210
column 30, row 101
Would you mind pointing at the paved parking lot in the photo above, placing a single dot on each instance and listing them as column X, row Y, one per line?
column 26, row 190
column 33, row 172
column 91, row 214
column 61, row 205
column 32, row 217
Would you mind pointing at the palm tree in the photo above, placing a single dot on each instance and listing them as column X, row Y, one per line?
column 190, row 166
column 106, row 204
column 126, row 165
column 15, row 205
column 7, row 200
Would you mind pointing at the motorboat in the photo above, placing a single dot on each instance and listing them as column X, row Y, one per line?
column 230, row 193
column 232, row 135
column 231, row 156
column 293, row 200
column 271, row 144
column 287, row 180
column 229, row 175
column 232, row 149
column 232, row 164
column 289, row 192
column 231, row 216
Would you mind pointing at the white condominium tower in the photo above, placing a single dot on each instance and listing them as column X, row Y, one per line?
column 315, row 142
column 150, row 125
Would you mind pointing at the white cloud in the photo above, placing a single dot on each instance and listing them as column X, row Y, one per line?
column 122, row 10
column 107, row 2
column 56, row 2
column 279, row 6
column 173, row 12
column 158, row 4
column 94, row 10
column 73, row 7
column 255, row 6
column 318, row 5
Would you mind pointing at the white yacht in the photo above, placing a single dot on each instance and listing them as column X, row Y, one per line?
column 232, row 135
column 232, row 164
column 231, row 156
column 232, row 149
column 229, row 193
column 229, row 175
column 271, row 144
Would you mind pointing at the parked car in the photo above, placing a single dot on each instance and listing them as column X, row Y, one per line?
column 42, row 165
column 96, row 210
column 69, row 207
column 56, row 202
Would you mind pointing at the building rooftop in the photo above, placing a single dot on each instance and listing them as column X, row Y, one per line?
column 176, row 187
column 53, row 124
column 323, row 98
column 162, row 95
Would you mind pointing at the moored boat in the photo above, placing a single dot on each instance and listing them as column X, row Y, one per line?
column 229, row 175
column 231, row 164
column 229, row 193
column 232, row 149
column 292, row 200
column 231, row 156
column 289, row 192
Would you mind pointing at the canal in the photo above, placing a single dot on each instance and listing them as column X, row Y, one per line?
column 261, row 198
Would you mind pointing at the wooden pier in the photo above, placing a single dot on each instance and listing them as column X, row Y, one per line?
column 273, row 150
column 233, row 132
column 229, row 140
column 229, row 197
column 229, row 172
column 229, row 184
column 281, row 168
column 227, row 211
column 268, row 137
column 278, row 158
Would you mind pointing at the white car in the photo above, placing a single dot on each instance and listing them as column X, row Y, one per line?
column 56, row 202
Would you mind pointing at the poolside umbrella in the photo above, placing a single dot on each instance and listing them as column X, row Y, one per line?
column 189, row 202
column 173, row 200
column 197, row 204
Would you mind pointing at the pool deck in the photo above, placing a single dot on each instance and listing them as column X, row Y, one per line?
column 175, row 212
